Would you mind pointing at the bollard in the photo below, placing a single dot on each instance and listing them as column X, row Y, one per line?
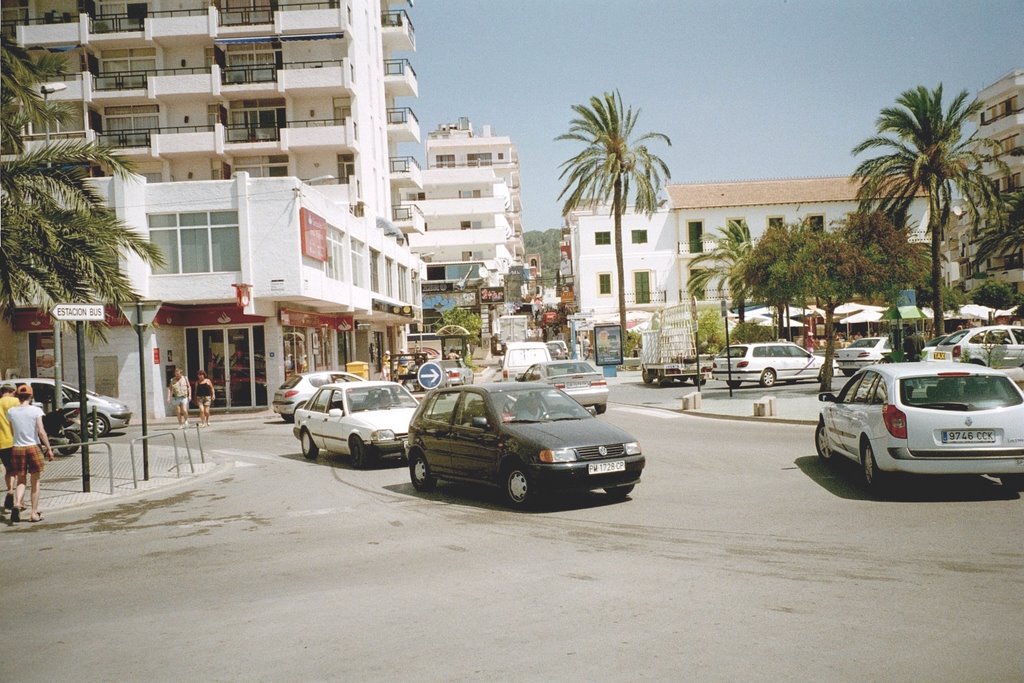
column 692, row 401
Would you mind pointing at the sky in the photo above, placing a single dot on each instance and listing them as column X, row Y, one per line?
column 745, row 89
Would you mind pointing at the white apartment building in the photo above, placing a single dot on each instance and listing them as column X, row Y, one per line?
column 1001, row 120
column 471, row 209
column 657, row 251
column 267, row 141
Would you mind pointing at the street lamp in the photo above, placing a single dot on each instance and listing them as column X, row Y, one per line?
column 48, row 89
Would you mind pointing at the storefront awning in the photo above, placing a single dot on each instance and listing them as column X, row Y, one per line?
column 313, row 36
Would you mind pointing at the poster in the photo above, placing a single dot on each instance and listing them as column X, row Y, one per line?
column 608, row 344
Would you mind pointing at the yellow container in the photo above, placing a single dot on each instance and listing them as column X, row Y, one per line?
column 358, row 367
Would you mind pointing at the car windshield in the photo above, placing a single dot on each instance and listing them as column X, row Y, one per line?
column 959, row 391
column 866, row 343
column 379, row 398
column 734, row 352
column 524, row 357
column 537, row 405
column 570, row 368
column 291, row 382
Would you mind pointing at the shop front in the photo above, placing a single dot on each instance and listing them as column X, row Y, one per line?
column 315, row 341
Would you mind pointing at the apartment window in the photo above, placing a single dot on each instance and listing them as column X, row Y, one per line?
column 1008, row 143
column 250, row 63
column 335, row 266
column 602, row 237
column 272, row 166
column 375, row 270
column 469, row 194
column 346, row 167
column 389, row 276
column 342, row 108
column 445, row 160
column 130, row 125
column 642, row 287
column 501, row 156
column 464, row 225
column 256, row 120
column 695, row 235
column 604, row 283
column 816, row 221
column 403, row 283
column 124, row 63
column 196, row 241
column 639, row 236
column 467, row 255
column 479, row 159
column 358, row 261
column 775, row 221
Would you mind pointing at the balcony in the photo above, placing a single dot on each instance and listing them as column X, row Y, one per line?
column 52, row 28
column 323, row 134
column 183, row 81
column 641, row 297
column 241, row 132
column 400, row 78
column 315, row 76
column 248, row 16
column 409, row 219
column 122, row 80
column 179, row 23
column 397, row 31
column 248, row 74
column 691, row 247
column 304, row 17
column 116, row 23
column 405, row 172
column 123, row 139
column 180, row 141
column 403, row 126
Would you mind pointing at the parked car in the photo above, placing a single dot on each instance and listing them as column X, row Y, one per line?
column 111, row 413
column 861, row 353
column 458, row 372
column 926, row 419
column 519, row 356
column 558, row 350
column 578, row 378
column 298, row 389
column 931, row 345
column 366, row 420
column 524, row 438
column 766, row 363
column 997, row 346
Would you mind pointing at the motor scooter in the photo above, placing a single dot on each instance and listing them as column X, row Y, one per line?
column 63, row 431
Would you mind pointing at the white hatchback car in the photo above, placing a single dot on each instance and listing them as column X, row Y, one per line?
column 861, row 353
column 923, row 418
column 995, row 346
column 367, row 420
column 298, row 389
column 766, row 363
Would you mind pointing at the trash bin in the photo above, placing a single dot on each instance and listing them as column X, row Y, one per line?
column 358, row 367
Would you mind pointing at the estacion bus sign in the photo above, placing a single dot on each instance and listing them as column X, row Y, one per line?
column 78, row 312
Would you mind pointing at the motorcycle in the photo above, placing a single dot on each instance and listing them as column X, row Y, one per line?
column 62, row 430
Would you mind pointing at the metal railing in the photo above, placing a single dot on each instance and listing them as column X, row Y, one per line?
column 316, row 123
column 403, row 164
column 126, row 138
column 402, row 115
column 313, row 64
column 398, row 67
column 646, row 297
column 397, row 19
column 405, row 213
column 253, row 73
column 247, row 16
column 115, row 23
column 299, row 6
column 247, row 133
column 121, row 80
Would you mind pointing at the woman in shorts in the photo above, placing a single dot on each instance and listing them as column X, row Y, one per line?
column 205, row 396
column 27, row 454
column 179, row 393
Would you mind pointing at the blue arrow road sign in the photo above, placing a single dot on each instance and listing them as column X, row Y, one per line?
column 429, row 375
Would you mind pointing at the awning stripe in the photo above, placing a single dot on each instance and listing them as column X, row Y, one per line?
column 283, row 39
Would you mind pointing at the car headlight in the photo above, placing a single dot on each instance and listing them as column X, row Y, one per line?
column 559, row 455
column 632, row 448
column 382, row 435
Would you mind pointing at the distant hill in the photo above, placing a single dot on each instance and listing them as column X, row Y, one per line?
column 545, row 243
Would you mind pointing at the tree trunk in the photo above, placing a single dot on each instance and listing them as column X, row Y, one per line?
column 830, row 347
column 620, row 268
column 935, row 227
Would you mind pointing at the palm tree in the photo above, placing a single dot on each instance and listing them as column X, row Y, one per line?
column 613, row 162
column 927, row 154
column 723, row 266
column 60, row 240
column 1004, row 233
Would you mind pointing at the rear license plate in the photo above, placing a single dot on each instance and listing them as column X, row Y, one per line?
column 968, row 436
column 939, row 355
column 605, row 467
column 576, row 385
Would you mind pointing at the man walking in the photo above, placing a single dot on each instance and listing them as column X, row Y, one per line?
column 26, row 457
column 7, row 401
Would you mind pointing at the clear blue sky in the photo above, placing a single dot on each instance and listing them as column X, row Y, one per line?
column 745, row 89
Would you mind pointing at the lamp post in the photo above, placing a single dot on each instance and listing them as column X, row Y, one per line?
column 141, row 314
column 48, row 89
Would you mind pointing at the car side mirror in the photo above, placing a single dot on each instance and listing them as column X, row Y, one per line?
column 592, row 410
column 479, row 422
column 335, row 412
column 827, row 397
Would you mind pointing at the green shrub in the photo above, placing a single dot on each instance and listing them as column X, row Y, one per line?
column 746, row 333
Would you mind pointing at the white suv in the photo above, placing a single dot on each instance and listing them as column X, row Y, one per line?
column 996, row 346
column 766, row 363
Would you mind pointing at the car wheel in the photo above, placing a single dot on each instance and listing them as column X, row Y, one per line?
column 647, row 376
column 360, row 458
column 849, row 373
column 102, row 426
column 768, row 378
column 309, row 449
column 821, row 442
column 1014, row 482
column 419, row 473
column 71, row 447
column 288, row 418
column 733, row 383
column 619, row 492
column 518, row 486
column 875, row 478
column 600, row 408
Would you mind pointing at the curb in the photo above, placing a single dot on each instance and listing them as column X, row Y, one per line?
column 720, row 416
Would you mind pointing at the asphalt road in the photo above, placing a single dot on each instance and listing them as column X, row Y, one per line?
column 738, row 557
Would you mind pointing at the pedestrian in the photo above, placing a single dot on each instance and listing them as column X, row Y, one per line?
column 913, row 345
column 205, row 396
column 26, row 455
column 179, row 394
column 7, row 400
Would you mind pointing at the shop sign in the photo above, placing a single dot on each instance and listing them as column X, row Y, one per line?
column 492, row 295
column 314, row 235
column 550, row 317
column 437, row 287
column 201, row 316
column 342, row 323
column 395, row 309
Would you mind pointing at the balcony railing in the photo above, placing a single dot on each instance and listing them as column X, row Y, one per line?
column 127, row 138
column 299, row 6
column 396, row 19
column 121, row 80
column 646, row 297
column 177, row 130
column 1001, row 115
column 314, row 64
column 263, row 14
column 401, row 116
column 398, row 67
column 247, row 133
column 251, row 73
column 405, row 213
column 316, row 123
column 403, row 164
column 116, row 23
column 190, row 12
column 697, row 246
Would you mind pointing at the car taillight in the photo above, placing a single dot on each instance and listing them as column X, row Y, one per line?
column 714, row 365
column 290, row 393
column 743, row 364
column 599, row 383
column 504, row 374
column 863, row 354
column 957, row 351
column 559, row 386
column 895, row 421
column 453, row 373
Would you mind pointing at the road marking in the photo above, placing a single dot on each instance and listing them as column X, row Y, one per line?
column 647, row 412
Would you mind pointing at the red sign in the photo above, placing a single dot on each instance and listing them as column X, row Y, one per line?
column 156, row 355
column 550, row 317
column 314, row 235
column 342, row 323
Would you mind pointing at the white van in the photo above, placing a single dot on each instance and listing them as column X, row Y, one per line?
column 519, row 356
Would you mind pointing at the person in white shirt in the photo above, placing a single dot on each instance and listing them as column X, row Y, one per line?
column 26, row 454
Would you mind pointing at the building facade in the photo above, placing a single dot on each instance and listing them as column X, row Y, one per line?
column 267, row 141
